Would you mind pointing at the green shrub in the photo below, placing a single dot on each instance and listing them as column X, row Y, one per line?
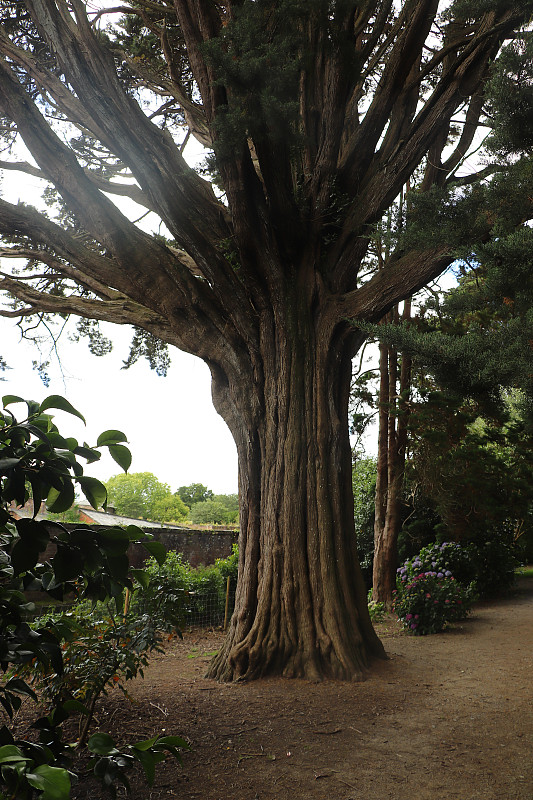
column 490, row 565
column 375, row 609
column 364, row 491
column 196, row 594
column 429, row 601
column 495, row 562
column 448, row 558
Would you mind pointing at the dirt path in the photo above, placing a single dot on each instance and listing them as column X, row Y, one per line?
column 448, row 717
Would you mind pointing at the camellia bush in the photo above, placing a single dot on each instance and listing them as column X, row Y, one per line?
column 37, row 462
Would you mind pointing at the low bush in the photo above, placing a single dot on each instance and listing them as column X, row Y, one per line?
column 448, row 558
column 495, row 559
column 490, row 565
column 428, row 602
column 198, row 594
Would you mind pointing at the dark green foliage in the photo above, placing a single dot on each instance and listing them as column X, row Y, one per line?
column 145, row 345
column 510, row 94
column 257, row 55
column 364, row 490
column 495, row 559
column 194, row 493
column 475, row 473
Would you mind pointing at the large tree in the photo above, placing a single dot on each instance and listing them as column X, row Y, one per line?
column 316, row 113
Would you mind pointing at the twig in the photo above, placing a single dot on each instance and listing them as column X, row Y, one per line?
column 329, row 733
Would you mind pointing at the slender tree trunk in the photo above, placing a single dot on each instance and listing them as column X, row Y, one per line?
column 392, row 445
column 301, row 608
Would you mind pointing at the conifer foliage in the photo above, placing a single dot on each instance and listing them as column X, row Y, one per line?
column 315, row 114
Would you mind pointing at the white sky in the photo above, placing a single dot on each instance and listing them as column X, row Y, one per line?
column 172, row 427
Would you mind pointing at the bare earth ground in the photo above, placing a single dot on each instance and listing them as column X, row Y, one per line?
column 447, row 716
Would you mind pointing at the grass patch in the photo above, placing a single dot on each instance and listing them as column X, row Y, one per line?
column 525, row 572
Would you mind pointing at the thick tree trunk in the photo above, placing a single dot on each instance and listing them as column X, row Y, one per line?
column 301, row 608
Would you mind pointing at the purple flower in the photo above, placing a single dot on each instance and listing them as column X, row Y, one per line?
column 448, row 573
column 440, row 575
column 413, row 626
column 408, row 616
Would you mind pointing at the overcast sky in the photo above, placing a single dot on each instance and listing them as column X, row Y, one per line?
column 171, row 425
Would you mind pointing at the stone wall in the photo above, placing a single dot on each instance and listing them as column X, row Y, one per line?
column 196, row 547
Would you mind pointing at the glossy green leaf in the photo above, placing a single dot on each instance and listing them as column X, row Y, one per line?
column 146, row 744
column 110, row 437
column 102, row 744
column 53, row 782
column 141, row 576
column 67, row 564
column 23, row 557
column 56, row 401
column 88, row 453
column 57, row 502
column 7, row 399
column 20, row 687
column 157, row 550
column 148, row 759
column 9, row 754
column 94, row 490
column 75, row 707
column 136, row 534
column 121, row 455
column 173, row 741
column 8, row 463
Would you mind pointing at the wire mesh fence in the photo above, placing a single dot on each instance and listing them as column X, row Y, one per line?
column 208, row 610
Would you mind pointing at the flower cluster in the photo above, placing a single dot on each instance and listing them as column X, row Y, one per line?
column 446, row 558
column 427, row 602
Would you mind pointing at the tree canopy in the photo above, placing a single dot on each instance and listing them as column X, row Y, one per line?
column 315, row 115
column 142, row 496
column 221, row 509
column 194, row 493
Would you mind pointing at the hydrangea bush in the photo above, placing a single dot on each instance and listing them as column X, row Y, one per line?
column 427, row 602
column 448, row 558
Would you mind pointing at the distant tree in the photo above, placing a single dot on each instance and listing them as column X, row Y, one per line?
column 194, row 493
column 219, row 510
column 170, row 508
column 142, row 496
